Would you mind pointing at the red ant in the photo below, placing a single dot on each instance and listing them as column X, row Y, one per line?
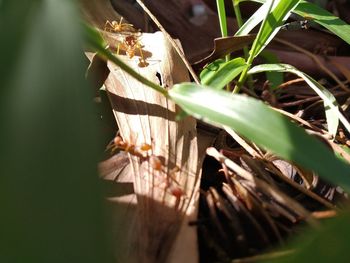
column 130, row 42
column 154, row 161
column 114, row 26
column 157, row 165
column 119, row 143
column 130, row 45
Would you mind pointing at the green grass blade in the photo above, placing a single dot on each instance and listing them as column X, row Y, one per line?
column 263, row 126
column 255, row 19
column 220, row 4
column 274, row 20
column 322, row 17
column 219, row 73
column 333, row 114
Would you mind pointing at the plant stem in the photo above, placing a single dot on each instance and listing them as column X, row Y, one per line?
column 252, row 53
column 237, row 13
column 241, row 79
column 222, row 17
column 220, row 4
column 239, row 20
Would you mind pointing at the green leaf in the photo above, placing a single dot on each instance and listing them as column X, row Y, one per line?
column 319, row 15
column 268, row 29
column 260, row 124
column 324, row 18
column 327, row 244
column 333, row 114
column 51, row 204
column 220, row 4
column 219, row 73
column 255, row 19
column 274, row 21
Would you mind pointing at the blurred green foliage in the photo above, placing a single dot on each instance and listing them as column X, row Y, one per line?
column 327, row 244
column 51, row 205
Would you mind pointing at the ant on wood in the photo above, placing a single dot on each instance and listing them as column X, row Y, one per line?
column 171, row 182
column 130, row 45
column 119, row 27
column 154, row 161
column 119, row 143
column 130, row 42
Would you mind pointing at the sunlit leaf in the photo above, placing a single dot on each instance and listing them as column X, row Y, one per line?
column 274, row 20
column 219, row 73
column 315, row 13
column 324, row 18
column 263, row 126
column 220, row 4
column 255, row 19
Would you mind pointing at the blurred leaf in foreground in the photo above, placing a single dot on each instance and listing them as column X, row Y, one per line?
column 49, row 197
column 327, row 244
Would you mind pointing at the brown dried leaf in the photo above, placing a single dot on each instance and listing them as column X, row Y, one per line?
column 225, row 45
column 145, row 116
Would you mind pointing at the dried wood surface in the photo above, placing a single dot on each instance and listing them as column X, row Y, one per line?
column 145, row 116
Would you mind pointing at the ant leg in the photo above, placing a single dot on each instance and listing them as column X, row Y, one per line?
column 125, row 27
column 118, row 48
column 172, row 174
column 142, row 61
column 120, row 21
column 108, row 23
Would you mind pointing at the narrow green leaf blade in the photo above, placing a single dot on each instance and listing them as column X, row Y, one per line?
column 324, row 18
column 254, row 20
column 220, row 4
column 274, row 21
column 333, row 114
column 319, row 15
column 219, row 73
column 263, row 126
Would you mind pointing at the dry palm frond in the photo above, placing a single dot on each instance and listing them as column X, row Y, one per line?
column 166, row 177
